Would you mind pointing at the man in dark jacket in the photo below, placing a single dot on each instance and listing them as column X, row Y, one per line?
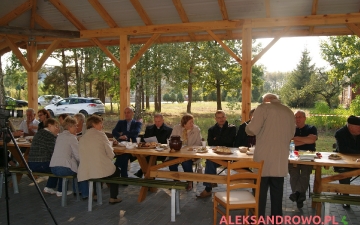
column 242, row 138
column 159, row 130
column 126, row 130
column 348, row 141
column 221, row 134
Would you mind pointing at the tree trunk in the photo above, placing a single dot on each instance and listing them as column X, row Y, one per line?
column 218, row 95
column 159, row 97
column 188, row 108
column 2, row 87
column 142, row 94
column 137, row 115
column 77, row 75
column 156, row 99
column 66, row 76
column 147, row 102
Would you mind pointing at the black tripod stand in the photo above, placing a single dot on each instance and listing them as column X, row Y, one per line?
column 6, row 134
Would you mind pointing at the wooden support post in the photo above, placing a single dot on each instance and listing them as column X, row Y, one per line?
column 32, row 76
column 124, row 74
column 246, row 72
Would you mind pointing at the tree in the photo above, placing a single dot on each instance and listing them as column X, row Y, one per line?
column 166, row 97
column 296, row 92
column 180, row 98
column 2, row 87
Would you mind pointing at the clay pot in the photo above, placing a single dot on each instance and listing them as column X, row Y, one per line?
column 175, row 142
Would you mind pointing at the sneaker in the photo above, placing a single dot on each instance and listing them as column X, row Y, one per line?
column 59, row 194
column 49, row 191
column 204, row 194
column 114, row 200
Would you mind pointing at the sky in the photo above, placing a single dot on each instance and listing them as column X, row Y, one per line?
column 283, row 56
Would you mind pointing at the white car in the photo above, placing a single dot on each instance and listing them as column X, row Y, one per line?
column 71, row 106
column 45, row 100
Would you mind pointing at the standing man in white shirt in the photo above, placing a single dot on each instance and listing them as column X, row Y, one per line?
column 30, row 125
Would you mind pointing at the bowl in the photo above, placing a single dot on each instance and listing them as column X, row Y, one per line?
column 243, row 149
column 252, row 149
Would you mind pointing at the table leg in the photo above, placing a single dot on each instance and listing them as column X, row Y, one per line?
column 17, row 157
column 145, row 167
column 317, row 189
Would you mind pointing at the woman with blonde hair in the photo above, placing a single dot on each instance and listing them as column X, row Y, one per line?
column 96, row 155
column 191, row 136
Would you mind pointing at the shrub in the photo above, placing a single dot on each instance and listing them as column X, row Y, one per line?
column 166, row 97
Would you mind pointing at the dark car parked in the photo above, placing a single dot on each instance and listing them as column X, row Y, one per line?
column 18, row 103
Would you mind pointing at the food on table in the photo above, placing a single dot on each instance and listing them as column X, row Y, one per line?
column 148, row 144
column 201, row 150
column 21, row 139
column 222, row 149
column 334, row 157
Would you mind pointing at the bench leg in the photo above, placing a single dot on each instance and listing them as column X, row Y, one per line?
column 177, row 202
column 64, row 192
column 75, row 181
column 173, row 197
column 15, row 183
column 90, row 199
column 325, row 211
column 99, row 193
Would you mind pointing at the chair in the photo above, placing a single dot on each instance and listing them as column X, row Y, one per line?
column 243, row 199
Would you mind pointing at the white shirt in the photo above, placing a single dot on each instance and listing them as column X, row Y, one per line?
column 24, row 127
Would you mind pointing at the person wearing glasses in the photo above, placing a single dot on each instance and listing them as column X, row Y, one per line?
column 30, row 125
column 43, row 115
column 41, row 151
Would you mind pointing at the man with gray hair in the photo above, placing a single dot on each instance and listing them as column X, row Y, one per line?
column 30, row 125
column 273, row 124
column 304, row 140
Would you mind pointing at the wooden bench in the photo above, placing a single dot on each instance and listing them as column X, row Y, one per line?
column 23, row 170
column 326, row 199
column 175, row 186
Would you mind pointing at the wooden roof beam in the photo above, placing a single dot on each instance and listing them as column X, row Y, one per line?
column 16, row 12
column 162, row 29
column 39, row 32
column 354, row 28
column 142, row 13
column 33, row 13
column 18, row 54
column 66, row 12
column 142, row 50
column 224, row 13
column 103, row 13
column 225, row 47
column 184, row 18
column 43, row 23
column 106, row 51
column 314, row 12
column 258, row 56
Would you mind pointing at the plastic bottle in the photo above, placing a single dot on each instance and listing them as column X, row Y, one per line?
column 292, row 148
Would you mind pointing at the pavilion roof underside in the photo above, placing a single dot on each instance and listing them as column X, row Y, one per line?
column 103, row 21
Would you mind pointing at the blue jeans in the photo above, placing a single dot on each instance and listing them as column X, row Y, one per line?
column 65, row 171
column 210, row 168
column 43, row 167
column 187, row 166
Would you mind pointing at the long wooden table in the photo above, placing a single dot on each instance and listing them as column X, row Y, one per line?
column 151, row 170
column 323, row 184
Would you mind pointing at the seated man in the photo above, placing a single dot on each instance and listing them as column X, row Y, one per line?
column 159, row 130
column 221, row 134
column 81, row 125
column 348, row 141
column 304, row 139
column 30, row 125
column 126, row 130
column 242, row 138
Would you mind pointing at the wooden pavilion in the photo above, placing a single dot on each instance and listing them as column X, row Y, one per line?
column 54, row 24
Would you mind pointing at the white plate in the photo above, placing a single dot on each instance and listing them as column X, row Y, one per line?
column 159, row 149
column 249, row 153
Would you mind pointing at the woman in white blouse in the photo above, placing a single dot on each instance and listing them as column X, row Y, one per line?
column 191, row 136
column 65, row 159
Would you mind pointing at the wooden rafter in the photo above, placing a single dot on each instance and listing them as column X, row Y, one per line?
column 142, row 13
column 354, row 28
column 258, row 56
column 184, row 18
column 18, row 54
column 103, row 13
column 142, row 50
column 46, row 54
column 224, row 46
column 16, row 12
column 224, row 13
column 267, row 8
column 33, row 13
column 43, row 23
column 39, row 32
column 106, row 51
column 314, row 12
column 66, row 12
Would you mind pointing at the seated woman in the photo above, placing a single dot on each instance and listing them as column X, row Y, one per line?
column 41, row 150
column 96, row 155
column 61, row 121
column 191, row 136
column 65, row 159
column 43, row 115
